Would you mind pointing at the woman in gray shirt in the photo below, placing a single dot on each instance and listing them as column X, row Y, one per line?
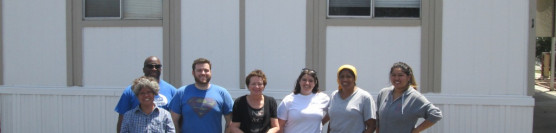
column 400, row 105
column 351, row 109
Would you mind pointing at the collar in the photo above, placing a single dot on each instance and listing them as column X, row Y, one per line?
column 137, row 109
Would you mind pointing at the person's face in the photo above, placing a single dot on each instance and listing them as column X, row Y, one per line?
column 347, row 80
column 146, row 96
column 202, row 73
column 307, row 83
column 152, row 68
column 399, row 79
column 256, row 85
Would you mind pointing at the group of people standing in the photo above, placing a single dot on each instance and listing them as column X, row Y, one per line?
column 152, row 105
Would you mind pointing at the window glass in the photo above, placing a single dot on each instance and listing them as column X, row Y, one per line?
column 397, row 8
column 142, row 9
column 349, row 7
column 131, row 9
column 102, row 8
column 382, row 8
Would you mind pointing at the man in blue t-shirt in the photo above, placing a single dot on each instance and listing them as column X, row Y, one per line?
column 201, row 105
column 128, row 101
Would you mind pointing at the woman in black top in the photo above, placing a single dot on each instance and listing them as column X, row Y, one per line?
column 255, row 113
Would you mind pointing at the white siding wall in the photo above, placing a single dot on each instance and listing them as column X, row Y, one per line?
column 485, row 47
column 91, row 110
column 275, row 41
column 483, row 114
column 114, row 56
column 210, row 29
column 34, row 34
column 58, row 110
column 372, row 50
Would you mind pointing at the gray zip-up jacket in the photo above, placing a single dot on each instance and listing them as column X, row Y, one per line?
column 400, row 115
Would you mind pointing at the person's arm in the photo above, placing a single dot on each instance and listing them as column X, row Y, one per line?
column 424, row 125
column 325, row 119
column 228, row 119
column 371, row 125
column 274, row 126
column 328, row 131
column 281, row 123
column 119, row 125
column 234, row 127
column 430, row 113
column 377, row 129
column 124, row 128
column 176, row 118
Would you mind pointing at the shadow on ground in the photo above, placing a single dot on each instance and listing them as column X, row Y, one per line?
column 544, row 116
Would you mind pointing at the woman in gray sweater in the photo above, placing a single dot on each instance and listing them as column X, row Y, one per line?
column 400, row 105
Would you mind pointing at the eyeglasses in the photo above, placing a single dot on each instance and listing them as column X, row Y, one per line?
column 151, row 66
column 146, row 93
column 308, row 70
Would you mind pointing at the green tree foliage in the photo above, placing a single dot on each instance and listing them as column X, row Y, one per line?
column 543, row 45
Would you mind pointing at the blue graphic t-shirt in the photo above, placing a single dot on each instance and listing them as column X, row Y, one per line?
column 201, row 110
column 128, row 100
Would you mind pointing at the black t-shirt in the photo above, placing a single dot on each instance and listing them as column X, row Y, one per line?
column 254, row 120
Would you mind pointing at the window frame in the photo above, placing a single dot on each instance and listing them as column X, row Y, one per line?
column 430, row 21
column 76, row 22
column 374, row 21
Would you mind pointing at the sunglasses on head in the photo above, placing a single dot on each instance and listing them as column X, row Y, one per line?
column 151, row 66
column 308, row 70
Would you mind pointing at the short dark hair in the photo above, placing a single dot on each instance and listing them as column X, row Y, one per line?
column 200, row 61
column 258, row 73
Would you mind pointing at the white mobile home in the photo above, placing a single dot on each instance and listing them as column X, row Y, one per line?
column 64, row 63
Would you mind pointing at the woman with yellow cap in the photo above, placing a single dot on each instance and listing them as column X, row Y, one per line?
column 351, row 109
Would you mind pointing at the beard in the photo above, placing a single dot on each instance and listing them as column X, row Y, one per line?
column 155, row 75
column 198, row 81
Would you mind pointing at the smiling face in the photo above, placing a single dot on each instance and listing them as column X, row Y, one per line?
column 152, row 67
column 202, row 73
column 256, row 85
column 146, row 96
column 399, row 79
column 347, row 79
column 307, row 83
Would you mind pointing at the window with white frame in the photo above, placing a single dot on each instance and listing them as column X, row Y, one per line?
column 374, row 8
column 122, row 9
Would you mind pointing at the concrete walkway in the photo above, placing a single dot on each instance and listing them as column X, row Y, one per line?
column 544, row 116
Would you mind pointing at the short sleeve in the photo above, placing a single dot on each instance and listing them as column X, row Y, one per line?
column 326, row 102
column 370, row 108
column 273, row 107
column 227, row 106
column 125, row 104
column 175, row 104
column 283, row 109
column 236, row 111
